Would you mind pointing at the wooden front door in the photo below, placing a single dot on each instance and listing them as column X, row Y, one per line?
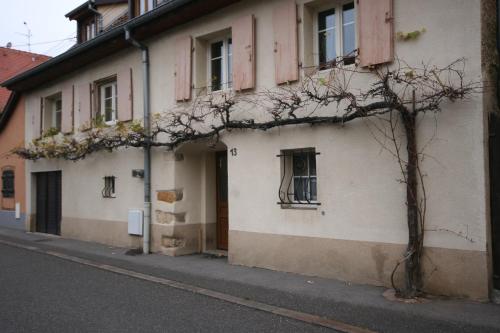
column 495, row 195
column 48, row 202
column 222, row 205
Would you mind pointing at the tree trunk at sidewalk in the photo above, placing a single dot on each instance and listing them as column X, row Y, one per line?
column 412, row 263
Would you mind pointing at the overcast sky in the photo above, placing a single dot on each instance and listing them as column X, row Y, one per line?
column 45, row 19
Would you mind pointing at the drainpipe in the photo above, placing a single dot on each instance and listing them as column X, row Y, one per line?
column 147, row 144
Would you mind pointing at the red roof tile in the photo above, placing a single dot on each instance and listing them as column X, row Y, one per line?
column 13, row 62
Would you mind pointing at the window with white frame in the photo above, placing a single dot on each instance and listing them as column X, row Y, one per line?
column 108, row 102
column 298, row 177
column 57, row 113
column 335, row 34
column 220, row 67
column 52, row 114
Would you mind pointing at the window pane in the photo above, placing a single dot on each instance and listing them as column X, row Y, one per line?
column 300, row 188
column 216, row 50
column 230, row 63
column 58, row 120
column 349, row 29
column 108, row 92
column 326, row 36
column 300, row 164
column 109, row 114
column 216, row 74
column 313, row 196
column 58, row 104
column 326, row 19
column 312, row 163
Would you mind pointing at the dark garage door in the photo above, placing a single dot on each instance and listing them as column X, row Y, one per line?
column 48, row 202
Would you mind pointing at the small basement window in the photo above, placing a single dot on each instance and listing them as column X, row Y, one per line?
column 109, row 187
column 8, row 183
column 299, row 181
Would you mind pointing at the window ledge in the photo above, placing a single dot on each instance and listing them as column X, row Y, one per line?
column 312, row 206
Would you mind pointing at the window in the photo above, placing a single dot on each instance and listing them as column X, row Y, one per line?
column 299, row 179
column 109, row 187
column 8, row 183
column 108, row 102
column 336, row 35
column 144, row 6
column 57, row 114
column 221, row 64
column 52, row 114
column 88, row 29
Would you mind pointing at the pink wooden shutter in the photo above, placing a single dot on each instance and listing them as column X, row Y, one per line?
column 243, row 35
column 375, row 32
column 67, row 109
column 124, row 86
column 85, row 112
column 37, row 120
column 286, row 60
column 183, row 59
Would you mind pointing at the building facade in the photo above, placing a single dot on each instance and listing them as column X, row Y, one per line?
column 12, row 170
column 227, row 196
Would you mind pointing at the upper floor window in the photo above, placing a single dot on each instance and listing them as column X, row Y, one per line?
column 336, row 35
column 8, row 183
column 221, row 64
column 57, row 113
column 88, row 29
column 144, row 6
column 52, row 115
column 108, row 102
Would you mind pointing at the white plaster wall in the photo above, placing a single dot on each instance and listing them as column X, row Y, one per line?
column 361, row 198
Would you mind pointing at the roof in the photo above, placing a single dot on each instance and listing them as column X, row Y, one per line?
column 13, row 62
column 169, row 14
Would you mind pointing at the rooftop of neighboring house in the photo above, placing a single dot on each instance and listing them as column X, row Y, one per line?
column 13, row 62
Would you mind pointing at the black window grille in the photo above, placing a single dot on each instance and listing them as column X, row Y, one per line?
column 299, row 180
column 8, row 183
column 109, row 187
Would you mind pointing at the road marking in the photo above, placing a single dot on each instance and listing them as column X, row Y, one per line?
column 283, row 312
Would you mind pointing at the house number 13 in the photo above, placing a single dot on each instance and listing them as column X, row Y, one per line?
column 234, row 152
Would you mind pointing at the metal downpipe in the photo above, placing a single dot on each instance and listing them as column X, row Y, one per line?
column 147, row 147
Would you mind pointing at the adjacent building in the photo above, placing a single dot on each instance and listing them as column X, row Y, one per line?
column 353, row 226
column 12, row 115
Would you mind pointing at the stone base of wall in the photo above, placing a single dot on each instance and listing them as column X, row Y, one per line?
column 448, row 272
column 113, row 233
column 8, row 220
column 173, row 239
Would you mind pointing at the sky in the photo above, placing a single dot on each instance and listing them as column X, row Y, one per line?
column 51, row 32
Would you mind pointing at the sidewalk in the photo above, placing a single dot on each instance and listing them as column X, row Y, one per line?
column 358, row 305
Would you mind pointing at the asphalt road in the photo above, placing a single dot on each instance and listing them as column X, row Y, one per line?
column 41, row 293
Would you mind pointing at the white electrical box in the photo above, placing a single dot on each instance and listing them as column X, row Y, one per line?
column 135, row 220
column 18, row 211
